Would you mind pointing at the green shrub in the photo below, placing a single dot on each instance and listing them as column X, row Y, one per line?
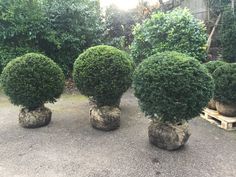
column 217, row 6
column 228, row 35
column 32, row 80
column 104, row 73
column 172, row 86
column 213, row 65
column 225, row 81
column 177, row 30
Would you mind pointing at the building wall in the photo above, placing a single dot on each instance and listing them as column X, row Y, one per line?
column 197, row 7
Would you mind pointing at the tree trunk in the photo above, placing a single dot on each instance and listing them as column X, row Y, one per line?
column 212, row 33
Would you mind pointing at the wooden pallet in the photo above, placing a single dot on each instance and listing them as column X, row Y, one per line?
column 227, row 123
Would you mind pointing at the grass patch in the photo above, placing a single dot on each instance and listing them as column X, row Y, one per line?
column 78, row 97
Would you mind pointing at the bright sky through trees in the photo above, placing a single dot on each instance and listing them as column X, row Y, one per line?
column 123, row 4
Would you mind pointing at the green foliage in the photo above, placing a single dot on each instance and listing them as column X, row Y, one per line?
column 213, row 65
column 58, row 28
column 176, row 30
column 20, row 22
column 118, row 27
column 32, row 80
column 217, row 6
column 75, row 26
column 172, row 86
column 225, row 81
column 228, row 35
column 104, row 73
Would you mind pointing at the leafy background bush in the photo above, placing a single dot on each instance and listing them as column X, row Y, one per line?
column 217, row 6
column 119, row 24
column 228, row 35
column 118, row 27
column 176, row 30
column 58, row 28
column 172, row 86
column 32, row 80
column 104, row 73
column 225, row 81
column 63, row 29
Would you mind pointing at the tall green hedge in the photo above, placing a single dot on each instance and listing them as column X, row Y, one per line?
column 60, row 29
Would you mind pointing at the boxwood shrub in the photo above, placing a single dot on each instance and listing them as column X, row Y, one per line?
column 103, row 72
column 177, row 30
column 213, row 65
column 172, row 86
column 225, row 82
column 32, row 80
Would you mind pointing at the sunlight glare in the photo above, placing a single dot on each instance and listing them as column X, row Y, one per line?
column 122, row 4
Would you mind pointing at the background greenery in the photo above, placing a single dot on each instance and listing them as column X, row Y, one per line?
column 60, row 29
column 63, row 29
column 176, row 30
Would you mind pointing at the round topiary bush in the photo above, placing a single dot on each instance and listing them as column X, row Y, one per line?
column 213, row 65
column 172, row 87
column 177, row 30
column 32, row 80
column 104, row 73
column 225, row 83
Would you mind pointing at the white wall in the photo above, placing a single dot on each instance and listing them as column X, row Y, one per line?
column 197, row 7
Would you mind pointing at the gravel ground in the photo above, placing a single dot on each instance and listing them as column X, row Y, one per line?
column 70, row 147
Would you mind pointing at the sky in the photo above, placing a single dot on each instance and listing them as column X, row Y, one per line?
column 123, row 4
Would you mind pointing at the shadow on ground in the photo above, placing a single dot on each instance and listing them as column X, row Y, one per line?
column 69, row 147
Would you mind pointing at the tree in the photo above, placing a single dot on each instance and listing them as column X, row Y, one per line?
column 76, row 25
column 118, row 26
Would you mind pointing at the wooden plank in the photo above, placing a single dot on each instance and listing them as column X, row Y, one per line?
column 212, row 116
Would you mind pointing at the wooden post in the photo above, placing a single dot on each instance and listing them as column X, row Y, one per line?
column 212, row 33
column 208, row 11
